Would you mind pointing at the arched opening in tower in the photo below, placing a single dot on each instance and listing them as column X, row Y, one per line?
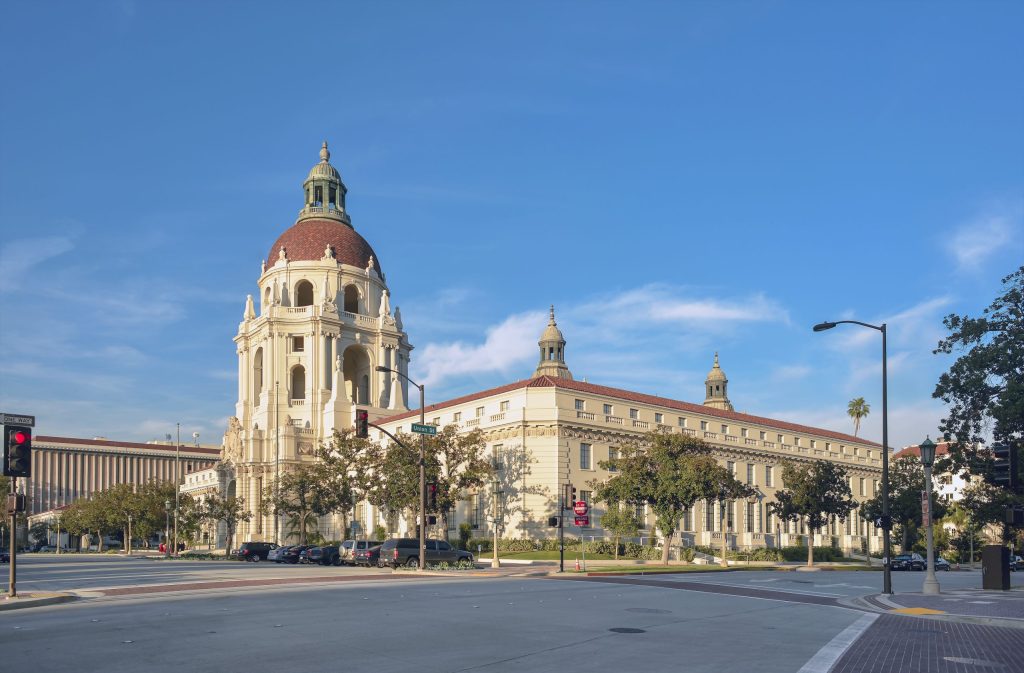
column 298, row 388
column 356, row 369
column 351, row 299
column 304, row 293
column 257, row 376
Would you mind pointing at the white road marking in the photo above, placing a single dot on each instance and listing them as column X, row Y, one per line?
column 827, row 656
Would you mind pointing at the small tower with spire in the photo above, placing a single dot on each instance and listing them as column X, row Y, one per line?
column 717, row 386
column 325, row 192
column 552, row 352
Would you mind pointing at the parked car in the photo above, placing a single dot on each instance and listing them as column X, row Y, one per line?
column 405, row 551
column 277, row 554
column 347, row 549
column 908, row 562
column 5, row 556
column 254, row 551
column 304, row 554
column 367, row 557
column 294, row 553
column 325, row 556
column 941, row 563
column 1016, row 563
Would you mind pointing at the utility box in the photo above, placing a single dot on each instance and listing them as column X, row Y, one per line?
column 995, row 567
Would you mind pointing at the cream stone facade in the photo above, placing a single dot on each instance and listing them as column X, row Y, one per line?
column 308, row 357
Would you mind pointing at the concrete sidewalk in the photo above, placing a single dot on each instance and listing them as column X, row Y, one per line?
column 978, row 606
column 35, row 600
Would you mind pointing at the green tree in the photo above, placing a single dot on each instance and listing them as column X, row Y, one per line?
column 858, row 409
column 343, row 473
column 229, row 511
column 667, row 472
column 396, row 487
column 621, row 521
column 814, row 492
column 984, row 387
column 906, row 482
column 300, row 496
column 457, row 464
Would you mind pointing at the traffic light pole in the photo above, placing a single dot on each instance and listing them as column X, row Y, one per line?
column 12, row 589
column 561, row 530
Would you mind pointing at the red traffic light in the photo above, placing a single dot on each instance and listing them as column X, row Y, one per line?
column 19, row 436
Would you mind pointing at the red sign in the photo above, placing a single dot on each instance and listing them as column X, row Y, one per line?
column 580, row 508
column 582, row 521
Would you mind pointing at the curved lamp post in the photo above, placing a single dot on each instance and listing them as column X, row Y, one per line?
column 886, row 521
column 423, row 474
column 931, row 584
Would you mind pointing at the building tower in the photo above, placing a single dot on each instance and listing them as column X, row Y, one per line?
column 552, row 352
column 309, row 356
column 717, row 385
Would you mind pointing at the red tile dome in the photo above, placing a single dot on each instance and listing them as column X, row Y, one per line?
column 308, row 238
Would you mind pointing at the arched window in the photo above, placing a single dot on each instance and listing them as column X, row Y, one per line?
column 351, row 299
column 298, row 391
column 266, row 299
column 304, row 293
column 257, row 376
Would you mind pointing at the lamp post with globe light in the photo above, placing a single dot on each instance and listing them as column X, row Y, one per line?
column 931, row 583
column 886, row 519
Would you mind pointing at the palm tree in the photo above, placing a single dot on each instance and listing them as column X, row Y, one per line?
column 857, row 410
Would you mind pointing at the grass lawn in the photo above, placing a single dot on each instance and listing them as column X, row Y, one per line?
column 542, row 555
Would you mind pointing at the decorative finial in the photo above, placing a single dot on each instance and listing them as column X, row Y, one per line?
column 552, row 320
column 716, row 358
column 325, row 154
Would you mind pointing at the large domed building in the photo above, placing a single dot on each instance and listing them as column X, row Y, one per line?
column 308, row 352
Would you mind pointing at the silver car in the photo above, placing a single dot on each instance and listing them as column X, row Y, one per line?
column 348, row 548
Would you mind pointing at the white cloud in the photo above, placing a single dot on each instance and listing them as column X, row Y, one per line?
column 663, row 303
column 18, row 256
column 508, row 345
column 974, row 242
column 791, row 372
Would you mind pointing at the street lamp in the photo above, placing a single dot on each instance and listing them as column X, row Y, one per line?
column 931, row 584
column 423, row 474
column 167, row 529
column 886, row 521
column 495, row 485
column 177, row 455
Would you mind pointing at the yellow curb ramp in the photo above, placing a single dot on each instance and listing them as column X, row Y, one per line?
column 918, row 611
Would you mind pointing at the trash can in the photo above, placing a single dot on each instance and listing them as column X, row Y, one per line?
column 995, row 567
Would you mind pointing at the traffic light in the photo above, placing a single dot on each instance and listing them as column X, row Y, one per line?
column 362, row 423
column 552, row 522
column 1006, row 466
column 431, row 497
column 431, row 520
column 18, row 451
column 568, row 496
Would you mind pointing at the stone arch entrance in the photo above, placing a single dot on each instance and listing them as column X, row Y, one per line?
column 357, row 372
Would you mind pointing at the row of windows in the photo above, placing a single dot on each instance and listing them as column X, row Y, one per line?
column 724, row 428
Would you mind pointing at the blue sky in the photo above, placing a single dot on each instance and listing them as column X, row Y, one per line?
column 677, row 178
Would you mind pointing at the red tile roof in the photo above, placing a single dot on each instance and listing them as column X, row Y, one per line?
column 641, row 398
column 941, row 449
column 307, row 239
column 125, row 445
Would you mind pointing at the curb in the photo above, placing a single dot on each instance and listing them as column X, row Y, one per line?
column 880, row 604
column 32, row 601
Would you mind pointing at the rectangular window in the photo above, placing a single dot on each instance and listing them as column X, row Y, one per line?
column 640, row 513
column 750, row 474
column 687, row 519
column 496, row 460
column 768, row 475
column 780, row 439
column 814, row 444
column 743, row 432
column 796, row 441
column 682, row 421
column 457, row 416
column 703, row 425
column 584, row 456
column 874, row 488
column 479, row 509
column 608, row 409
column 658, row 418
column 828, row 446
column 750, row 517
column 634, row 413
column 709, row 516
column 613, row 454
column 725, row 429
column 862, row 486
column 436, row 422
column 730, row 522
column 763, row 435
column 581, row 405
column 479, row 412
column 585, row 496
column 503, row 406
column 452, row 526
column 298, row 344
column 731, row 466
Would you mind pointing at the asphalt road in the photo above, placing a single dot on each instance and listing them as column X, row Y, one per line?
column 425, row 625
column 48, row 572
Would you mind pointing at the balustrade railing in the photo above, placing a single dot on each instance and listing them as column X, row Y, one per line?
column 585, row 415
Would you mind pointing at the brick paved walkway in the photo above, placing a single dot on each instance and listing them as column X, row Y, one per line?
column 897, row 644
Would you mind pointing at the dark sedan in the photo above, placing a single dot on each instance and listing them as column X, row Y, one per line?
column 293, row 553
column 941, row 563
column 5, row 556
column 325, row 556
column 908, row 562
column 367, row 557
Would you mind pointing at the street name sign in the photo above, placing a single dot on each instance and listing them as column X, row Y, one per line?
column 424, row 429
column 18, row 419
